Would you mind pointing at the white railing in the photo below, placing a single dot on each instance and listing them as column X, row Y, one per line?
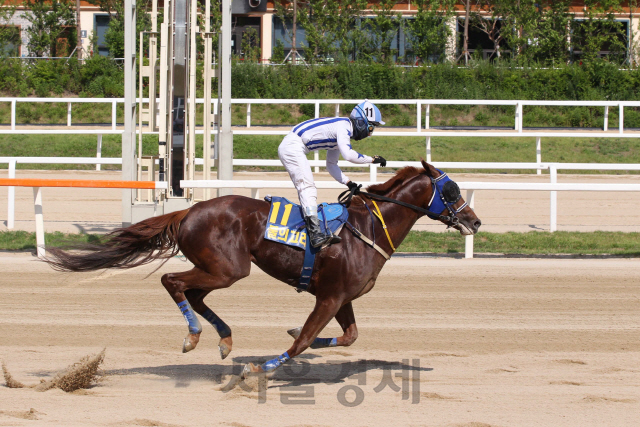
column 471, row 187
column 419, row 103
column 373, row 173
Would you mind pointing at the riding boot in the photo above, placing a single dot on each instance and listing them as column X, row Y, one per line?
column 316, row 237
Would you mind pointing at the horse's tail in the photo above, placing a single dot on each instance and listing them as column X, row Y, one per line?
column 139, row 244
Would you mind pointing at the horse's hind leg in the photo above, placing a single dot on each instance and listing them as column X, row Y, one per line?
column 196, row 279
column 347, row 321
column 324, row 310
column 196, row 299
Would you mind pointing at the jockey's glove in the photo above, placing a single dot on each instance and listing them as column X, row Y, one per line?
column 351, row 185
column 380, row 160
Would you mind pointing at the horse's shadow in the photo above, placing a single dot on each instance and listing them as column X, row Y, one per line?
column 295, row 373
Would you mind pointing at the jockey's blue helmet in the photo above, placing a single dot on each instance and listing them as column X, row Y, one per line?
column 367, row 111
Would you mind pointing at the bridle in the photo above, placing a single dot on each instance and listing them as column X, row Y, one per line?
column 447, row 190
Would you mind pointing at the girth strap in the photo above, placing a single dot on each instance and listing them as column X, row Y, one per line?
column 367, row 240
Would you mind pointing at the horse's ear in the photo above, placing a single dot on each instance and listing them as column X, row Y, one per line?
column 430, row 170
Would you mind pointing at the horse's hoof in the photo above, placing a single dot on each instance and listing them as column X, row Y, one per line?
column 295, row 332
column 190, row 342
column 224, row 346
column 251, row 369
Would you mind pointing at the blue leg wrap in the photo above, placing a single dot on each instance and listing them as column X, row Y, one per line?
column 274, row 363
column 223, row 329
column 190, row 316
column 324, row 342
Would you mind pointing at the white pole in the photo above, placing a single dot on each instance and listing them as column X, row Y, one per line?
column 521, row 119
column 11, row 198
column 13, row 115
column 317, row 111
column 99, row 151
column 373, row 172
column 37, row 204
column 113, row 115
column 426, row 117
column 316, row 154
column 468, row 240
column 337, row 110
column 418, row 116
column 606, row 118
column 428, row 149
column 553, row 226
column 68, row 114
column 248, row 115
column 621, row 118
column 539, row 152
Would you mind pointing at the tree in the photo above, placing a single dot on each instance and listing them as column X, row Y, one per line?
column 382, row 29
column 599, row 31
column 429, row 32
column 50, row 21
column 9, row 35
column 114, row 36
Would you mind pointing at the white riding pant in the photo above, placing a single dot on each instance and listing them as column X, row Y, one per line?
column 293, row 155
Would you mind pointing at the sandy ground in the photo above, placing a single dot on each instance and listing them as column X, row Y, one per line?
column 443, row 342
column 99, row 210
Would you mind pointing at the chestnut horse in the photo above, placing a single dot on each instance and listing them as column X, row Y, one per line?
column 223, row 236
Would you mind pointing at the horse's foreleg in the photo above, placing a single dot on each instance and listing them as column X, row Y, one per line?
column 196, row 299
column 196, row 279
column 347, row 321
column 322, row 313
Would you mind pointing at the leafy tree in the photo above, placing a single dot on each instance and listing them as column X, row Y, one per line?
column 250, row 45
column 9, row 35
column 429, row 32
column 114, row 36
column 599, row 31
column 382, row 29
column 50, row 20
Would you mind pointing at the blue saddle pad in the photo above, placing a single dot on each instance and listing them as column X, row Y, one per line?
column 285, row 223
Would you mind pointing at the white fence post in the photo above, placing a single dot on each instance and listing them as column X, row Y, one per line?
column 373, row 172
column 68, row 114
column 317, row 111
column 113, row 115
column 428, row 149
column 539, row 152
column 468, row 240
column 99, row 151
column 337, row 110
column 418, row 116
column 621, row 118
column 37, row 204
column 248, row 115
column 553, row 219
column 606, row 118
column 11, row 197
column 427, row 116
column 515, row 125
column 13, row 114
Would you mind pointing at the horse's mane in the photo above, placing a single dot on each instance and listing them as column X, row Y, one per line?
column 400, row 177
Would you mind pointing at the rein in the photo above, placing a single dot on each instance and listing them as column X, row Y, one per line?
column 346, row 196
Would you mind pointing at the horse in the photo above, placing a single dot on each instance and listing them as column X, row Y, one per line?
column 224, row 235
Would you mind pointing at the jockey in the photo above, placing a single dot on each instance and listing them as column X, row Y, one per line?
column 333, row 134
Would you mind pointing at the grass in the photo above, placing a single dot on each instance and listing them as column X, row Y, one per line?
column 444, row 149
column 24, row 240
column 543, row 243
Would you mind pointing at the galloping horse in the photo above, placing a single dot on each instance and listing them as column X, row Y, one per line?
column 223, row 236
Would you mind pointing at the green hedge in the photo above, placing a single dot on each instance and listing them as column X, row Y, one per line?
column 100, row 76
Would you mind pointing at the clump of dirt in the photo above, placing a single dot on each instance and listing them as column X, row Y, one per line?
column 8, row 379
column 80, row 375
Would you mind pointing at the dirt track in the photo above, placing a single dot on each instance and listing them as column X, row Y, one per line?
column 483, row 342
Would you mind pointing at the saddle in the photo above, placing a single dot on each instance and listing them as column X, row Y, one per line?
column 285, row 224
